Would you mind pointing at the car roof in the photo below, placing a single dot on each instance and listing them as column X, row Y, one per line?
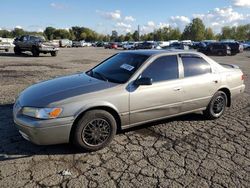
column 156, row 52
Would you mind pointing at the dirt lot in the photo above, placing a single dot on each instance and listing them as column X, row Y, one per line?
column 184, row 151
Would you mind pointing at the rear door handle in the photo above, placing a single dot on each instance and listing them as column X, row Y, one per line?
column 215, row 81
column 177, row 89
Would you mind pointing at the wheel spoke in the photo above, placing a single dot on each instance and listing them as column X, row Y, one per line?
column 96, row 132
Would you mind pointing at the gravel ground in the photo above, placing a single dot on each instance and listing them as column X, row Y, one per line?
column 187, row 151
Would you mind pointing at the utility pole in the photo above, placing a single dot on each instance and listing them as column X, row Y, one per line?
column 138, row 32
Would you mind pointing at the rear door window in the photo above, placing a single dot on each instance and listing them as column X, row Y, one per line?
column 195, row 65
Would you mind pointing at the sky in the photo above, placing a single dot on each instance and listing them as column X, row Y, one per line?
column 124, row 16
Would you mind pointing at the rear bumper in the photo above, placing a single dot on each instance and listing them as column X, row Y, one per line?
column 237, row 90
column 44, row 132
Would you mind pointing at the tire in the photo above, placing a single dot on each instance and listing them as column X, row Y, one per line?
column 6, row 50
column 87, row 130
column 220, row 53
column 17, row 50
column 216, row 106
column 53, row 53
column 35, row 52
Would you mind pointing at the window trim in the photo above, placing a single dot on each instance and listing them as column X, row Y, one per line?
column 193, row 55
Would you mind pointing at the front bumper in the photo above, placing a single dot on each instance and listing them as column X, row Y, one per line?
column 4, row 47
column 48, row 49
column 44, row 132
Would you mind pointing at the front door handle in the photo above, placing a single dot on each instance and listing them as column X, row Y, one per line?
column 177, row 89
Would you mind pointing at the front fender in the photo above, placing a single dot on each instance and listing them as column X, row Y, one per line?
column 95, row 105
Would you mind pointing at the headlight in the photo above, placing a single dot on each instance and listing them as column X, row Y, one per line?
column 42, row 113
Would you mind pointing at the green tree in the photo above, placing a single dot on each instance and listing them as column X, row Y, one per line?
column 174, row 34
column 18, row 32
column 194, row 31
column 49, row 32
column 209, row 34
column 135, row 36
column 5, row 34
column 61, row 34
column 226, row 33
column 128, row 37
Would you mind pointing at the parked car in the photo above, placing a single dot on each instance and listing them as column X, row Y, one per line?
column 163, row 43
column 111, row 45
column 126, row 90
column 217, row 48
column 129, row 46
column 65, row 43
column 176, row 46
column 236, row 47
column 99, row 44
column 34, row 44
column 5, row 46
column 145, row 45
column 246, row 45
column 76, row 44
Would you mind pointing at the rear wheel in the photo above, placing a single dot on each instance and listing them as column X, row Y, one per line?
column 95, row 130
column 53, row 53
column 35, row 52
column 220, row 53
column 217, row 106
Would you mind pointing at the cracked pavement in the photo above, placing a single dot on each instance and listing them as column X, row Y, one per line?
column 186, row 151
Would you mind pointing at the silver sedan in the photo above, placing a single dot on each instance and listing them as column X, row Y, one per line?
column 125, row 90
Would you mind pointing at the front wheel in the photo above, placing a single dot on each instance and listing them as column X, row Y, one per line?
column 95, row 130
column 217, row 106
column 54, row 53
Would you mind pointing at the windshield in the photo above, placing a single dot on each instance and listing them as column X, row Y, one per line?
column 119, row 68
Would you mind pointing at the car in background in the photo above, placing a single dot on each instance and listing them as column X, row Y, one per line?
column 217, row 48
column 176, row 46
column 5, row 46
column 236, row 47
column 126, row 90
column 111, row 45
column 145, row 45
column 76, row 44
column 99, row 44
column 246, row 45
column 65, row 43
column 34, row 44
column 163, row 43
column 129, row 46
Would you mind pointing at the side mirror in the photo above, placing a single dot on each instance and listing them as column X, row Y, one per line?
column 144, row 81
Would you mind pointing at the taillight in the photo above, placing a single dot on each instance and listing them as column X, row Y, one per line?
column 243, row 77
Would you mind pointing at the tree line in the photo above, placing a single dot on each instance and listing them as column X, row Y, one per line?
column 195, row 31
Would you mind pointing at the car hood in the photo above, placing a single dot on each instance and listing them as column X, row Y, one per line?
column 58, row 89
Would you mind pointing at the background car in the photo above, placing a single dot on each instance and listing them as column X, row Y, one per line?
column 34, row 44
column 5, row 46
column 129, row 46
column 177, row 46
column 111, row 45
column 145, row 45
column 221, row 49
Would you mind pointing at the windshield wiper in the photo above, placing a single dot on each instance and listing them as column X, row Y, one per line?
column 101, row 76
